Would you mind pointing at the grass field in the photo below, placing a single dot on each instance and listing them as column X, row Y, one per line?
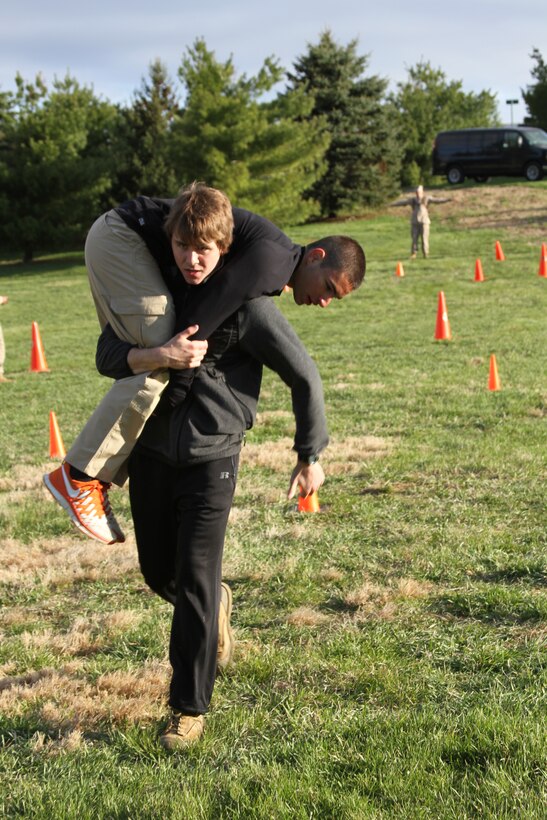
column 390, row 658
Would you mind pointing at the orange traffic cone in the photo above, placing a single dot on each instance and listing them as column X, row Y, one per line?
column 38, row 362
column 308, row 503
column 286, row 288
column 479, row 276
column 493, row 379
column 399, row 270
column 56, row 446
column 543, row 261
column 442, row 328
column 499, row 253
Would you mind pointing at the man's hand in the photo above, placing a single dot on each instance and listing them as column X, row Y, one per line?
column 307, row 477
column 183, row 353
column 179, row 353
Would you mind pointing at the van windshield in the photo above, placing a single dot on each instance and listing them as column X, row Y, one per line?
column 536, row 136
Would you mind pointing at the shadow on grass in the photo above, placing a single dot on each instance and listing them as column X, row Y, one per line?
column 42, row 264
column 492, row 608
column 534, row 576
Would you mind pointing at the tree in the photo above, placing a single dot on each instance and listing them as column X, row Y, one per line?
column 363, row 159
column 145, row 165
column 427, row 103
column 57, row 149
column 535, row 95
column 260, row 153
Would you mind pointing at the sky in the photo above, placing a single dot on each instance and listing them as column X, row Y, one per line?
column 485, row 44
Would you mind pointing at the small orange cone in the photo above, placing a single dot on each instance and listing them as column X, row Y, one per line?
column 479, row 276
column 308, row 503
column 286, row 289
column 543, row 261
column 493, row 379
column 442, row 328
column 56, row 446
column 38, row 362
column 499, row 253
column 399, row 270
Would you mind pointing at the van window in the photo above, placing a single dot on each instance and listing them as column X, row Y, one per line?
column 474, row 143
column 512, row 139
column 491, row 141
column 537, row 137
column 452, row 143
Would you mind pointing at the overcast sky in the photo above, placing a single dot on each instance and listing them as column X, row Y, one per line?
column 484, row 43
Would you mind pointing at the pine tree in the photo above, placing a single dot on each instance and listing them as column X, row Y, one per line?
column 259, row 152
column 144, row 160
column 535, row 95
column 363, row 159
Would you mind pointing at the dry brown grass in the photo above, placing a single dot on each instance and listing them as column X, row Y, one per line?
column 66, row 700
column 344, row 455
column 374, row 601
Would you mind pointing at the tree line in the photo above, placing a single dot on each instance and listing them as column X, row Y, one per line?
column 332, row 142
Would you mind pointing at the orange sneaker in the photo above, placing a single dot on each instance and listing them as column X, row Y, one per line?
column 87, row 504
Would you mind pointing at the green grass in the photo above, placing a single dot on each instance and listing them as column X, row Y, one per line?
column 391, row 649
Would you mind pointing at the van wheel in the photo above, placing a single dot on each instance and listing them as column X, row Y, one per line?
column 481, row 179
column 533, row 172
column 455, row 175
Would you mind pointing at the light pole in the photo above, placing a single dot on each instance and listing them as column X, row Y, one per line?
column 511, row 103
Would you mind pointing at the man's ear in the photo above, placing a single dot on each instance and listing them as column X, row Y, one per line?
column 316, row 255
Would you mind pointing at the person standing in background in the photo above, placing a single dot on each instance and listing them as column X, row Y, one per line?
column 419, row 218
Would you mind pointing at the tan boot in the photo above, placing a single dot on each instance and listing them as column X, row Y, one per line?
column 181, row 730
column 225, row 635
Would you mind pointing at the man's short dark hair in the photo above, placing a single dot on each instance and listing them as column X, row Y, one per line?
column 343, row 254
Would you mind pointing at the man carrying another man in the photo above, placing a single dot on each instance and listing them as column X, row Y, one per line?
column 141, row 257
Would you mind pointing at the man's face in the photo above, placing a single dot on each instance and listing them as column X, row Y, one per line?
column 317, row 284
column 195, row 263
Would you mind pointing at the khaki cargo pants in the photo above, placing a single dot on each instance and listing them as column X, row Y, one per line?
column 131, row 295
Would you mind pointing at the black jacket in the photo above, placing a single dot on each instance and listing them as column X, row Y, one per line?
column 222, row 402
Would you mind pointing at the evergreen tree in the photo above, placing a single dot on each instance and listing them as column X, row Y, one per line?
column 58, row 159
column 535, row 95
column 260, row 153
column 143, row 146
column 428, row 103
column 363, row 159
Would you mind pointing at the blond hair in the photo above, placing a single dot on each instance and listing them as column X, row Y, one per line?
column 201, row 214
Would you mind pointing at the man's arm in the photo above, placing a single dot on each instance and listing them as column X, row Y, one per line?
column 118, row 359
column 268, row 337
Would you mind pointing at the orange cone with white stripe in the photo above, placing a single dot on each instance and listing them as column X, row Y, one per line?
column 308, row 503
column 56, row 446
column 499, row 253
column 442, row 328
column 493, row 377
column 38, row 362
column 543, row 261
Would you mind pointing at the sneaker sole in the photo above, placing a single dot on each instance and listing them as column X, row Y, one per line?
column 221, row 666
column 61, row 500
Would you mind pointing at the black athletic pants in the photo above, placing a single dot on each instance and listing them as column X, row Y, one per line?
column 180, row 517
